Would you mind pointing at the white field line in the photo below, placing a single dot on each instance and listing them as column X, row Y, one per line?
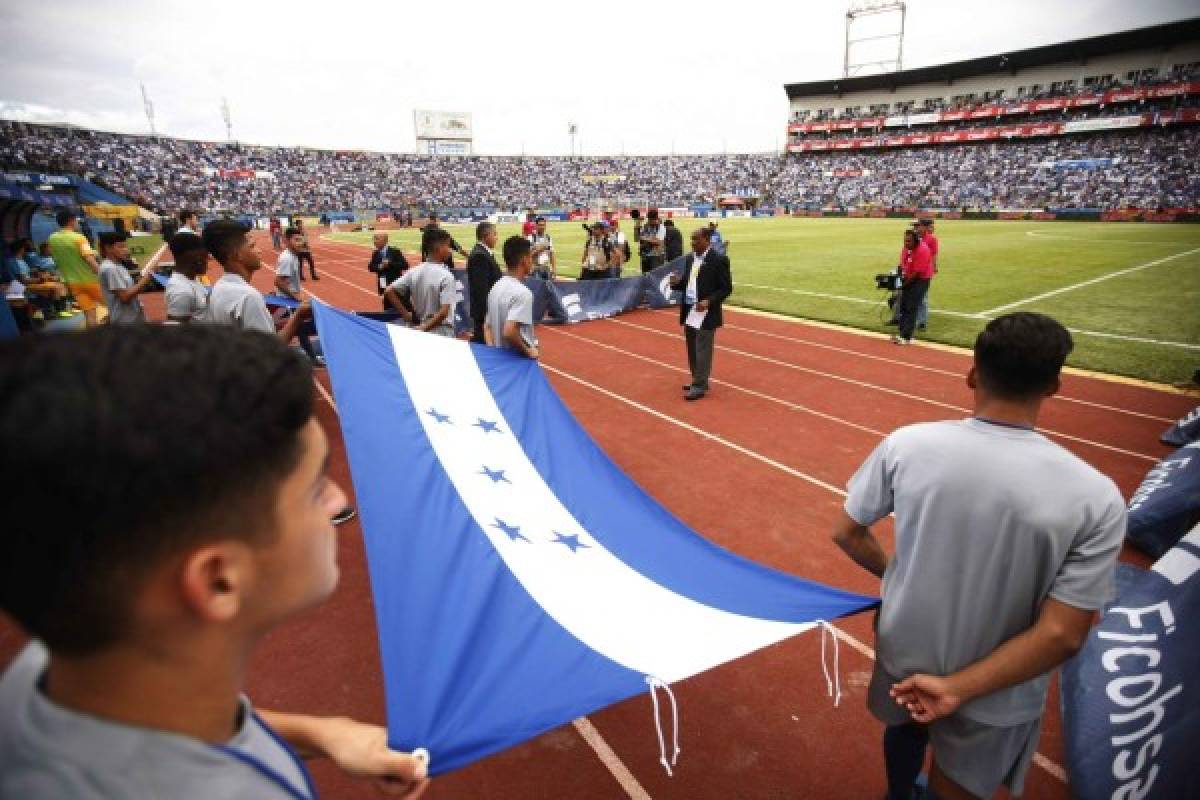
column 886, row 390
column 863, row 648
column 846, row 298
column 583, row 725
column 980, row 315
column 1041, row 235
column 1091, row 282
column 936, row 370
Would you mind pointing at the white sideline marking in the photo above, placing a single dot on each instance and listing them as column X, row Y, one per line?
column 583, row 725
column 848, row 299
column 896, row 392
column 982, row 315
column 1051, row 767
column 1089, row 282
column 1042, row 235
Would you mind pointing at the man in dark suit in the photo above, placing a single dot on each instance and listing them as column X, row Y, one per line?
column 482, row 274
column 706, row 282
column 433, row 224
column 388, row 263
column 674, row 240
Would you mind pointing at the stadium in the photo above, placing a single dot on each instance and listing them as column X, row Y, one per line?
column 975, row 276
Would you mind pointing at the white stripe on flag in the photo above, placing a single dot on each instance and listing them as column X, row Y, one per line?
column 602, row 601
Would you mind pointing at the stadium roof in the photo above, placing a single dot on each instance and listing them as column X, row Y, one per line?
column 1079, row 50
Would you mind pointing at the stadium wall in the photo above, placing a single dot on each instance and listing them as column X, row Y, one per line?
column 1118, row 66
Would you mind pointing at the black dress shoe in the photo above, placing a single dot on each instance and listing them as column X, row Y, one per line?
column 695, row 393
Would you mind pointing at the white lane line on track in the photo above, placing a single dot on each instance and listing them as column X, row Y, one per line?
column 753, row 392
column 936, row 370
column 610, row 759
column 1091, row 282
column 895, row 392
column 1045, row 763
column 583, row 725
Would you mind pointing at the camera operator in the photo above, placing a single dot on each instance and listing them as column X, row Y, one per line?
column 600, row 257
column 916, row 266
column 651, row 242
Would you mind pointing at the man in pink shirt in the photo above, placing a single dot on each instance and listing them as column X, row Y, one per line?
column 925, row 231
column 916, row 265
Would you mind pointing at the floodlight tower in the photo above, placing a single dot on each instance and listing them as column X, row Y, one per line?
column 149, row 109
column 228, row 120
column 892, row 12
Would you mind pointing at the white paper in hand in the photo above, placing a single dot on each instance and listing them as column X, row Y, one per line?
column 695, row 318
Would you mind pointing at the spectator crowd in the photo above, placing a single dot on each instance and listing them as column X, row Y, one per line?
column 1151, row 168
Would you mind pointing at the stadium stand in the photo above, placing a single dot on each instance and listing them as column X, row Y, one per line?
column 1151, row 168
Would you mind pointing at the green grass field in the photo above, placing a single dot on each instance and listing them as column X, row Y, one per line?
column 1143, row 323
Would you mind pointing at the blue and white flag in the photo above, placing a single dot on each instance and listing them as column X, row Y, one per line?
column 520, row 578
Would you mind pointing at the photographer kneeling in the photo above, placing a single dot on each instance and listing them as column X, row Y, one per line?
column 916, row 266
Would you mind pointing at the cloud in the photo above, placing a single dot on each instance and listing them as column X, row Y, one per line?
column 700, row 76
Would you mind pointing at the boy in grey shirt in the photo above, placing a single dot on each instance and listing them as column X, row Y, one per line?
column 510, row 303
column 143, row 619
column 1005, row 548
column 187, row 298
column 117, row 285
column 429, row 286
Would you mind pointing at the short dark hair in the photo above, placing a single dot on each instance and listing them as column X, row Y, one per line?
column 433, row 236
column 109, row 238
column 160, row 460
column 289, row 232
column 185, row 215
column 65, row 216
column 223, row 237
column 652, row 214
column 1019, row 356
column 705, row 232
column 540, row 219
column 670, row 223
column 515, row 248
column 482, row 229
column 184, row 243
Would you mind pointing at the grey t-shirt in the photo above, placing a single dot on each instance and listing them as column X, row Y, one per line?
column 509, row 299
column 47, row 750
column 186, row 298
column 990, row 520
column 116, row 276
column 237, row 303
column 430, row 286
column 288, row 266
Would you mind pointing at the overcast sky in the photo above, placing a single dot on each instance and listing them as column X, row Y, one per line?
column 695, row 77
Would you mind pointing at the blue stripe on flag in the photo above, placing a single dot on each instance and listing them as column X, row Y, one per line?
column 471, row 663
column 639, row 530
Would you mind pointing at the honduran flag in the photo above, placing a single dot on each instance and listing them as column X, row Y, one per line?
column 520, row 578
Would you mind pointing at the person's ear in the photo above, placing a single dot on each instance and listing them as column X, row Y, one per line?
column 215, row 579
column 972, row 379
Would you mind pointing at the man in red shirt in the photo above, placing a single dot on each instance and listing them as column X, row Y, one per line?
column 916, row 265
column 925, row 231
column 529, row 227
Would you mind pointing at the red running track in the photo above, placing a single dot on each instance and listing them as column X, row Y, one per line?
column 794, row 409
